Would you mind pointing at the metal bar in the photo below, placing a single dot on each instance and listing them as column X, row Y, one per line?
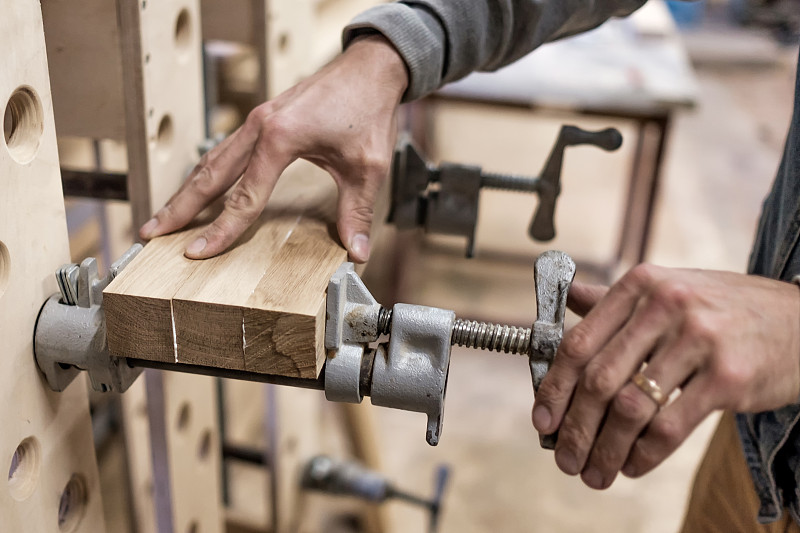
column 94, row 184
column 510, row 182
column 245, row 454
column 410, row 498
column 303, row 383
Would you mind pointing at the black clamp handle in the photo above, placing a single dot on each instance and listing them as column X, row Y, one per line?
column 542, row 226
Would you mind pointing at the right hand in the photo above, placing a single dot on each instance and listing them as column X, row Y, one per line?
column 582, row 297
column 343, row 119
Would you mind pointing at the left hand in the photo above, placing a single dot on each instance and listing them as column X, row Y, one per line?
column 726, row 340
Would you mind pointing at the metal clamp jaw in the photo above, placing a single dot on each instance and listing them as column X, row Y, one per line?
column 70, row 331
column 445, row 199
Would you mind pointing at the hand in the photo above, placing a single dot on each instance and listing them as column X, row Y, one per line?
column 343, row 119
column 727, row 341
column 583, row 297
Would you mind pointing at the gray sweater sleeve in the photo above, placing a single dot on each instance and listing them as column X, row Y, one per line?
column 444, row 40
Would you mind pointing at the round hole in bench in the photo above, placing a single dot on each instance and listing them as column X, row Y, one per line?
column 23, row 124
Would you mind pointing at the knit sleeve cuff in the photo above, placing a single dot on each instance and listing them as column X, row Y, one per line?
column 417, row 36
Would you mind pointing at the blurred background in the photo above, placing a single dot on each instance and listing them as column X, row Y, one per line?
column 702, row 93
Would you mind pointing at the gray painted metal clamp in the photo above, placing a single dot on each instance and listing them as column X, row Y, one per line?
column 70, row 331
column 409, row 372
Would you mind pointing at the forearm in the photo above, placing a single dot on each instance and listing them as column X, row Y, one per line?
column 444, row 40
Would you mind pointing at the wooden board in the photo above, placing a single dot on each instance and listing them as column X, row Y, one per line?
column 46, row 445
column 259, row 307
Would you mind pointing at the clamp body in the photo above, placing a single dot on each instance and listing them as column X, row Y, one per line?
column 409, row 372
column 70, row 331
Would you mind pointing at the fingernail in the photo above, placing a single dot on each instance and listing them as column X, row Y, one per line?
column 148, row 227
column 359, row 246
column 197, row 246
column 567, row 462
column 593, row 478
column 628, row 470
column 541, row 418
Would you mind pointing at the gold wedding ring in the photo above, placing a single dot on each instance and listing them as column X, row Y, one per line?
column 650, row 387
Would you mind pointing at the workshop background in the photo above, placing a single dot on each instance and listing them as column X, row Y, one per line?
column 722, row 152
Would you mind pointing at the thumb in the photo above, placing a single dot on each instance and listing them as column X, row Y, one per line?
column 355, row 213
column 582, row 297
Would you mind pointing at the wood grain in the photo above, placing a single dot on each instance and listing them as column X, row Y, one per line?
column 258, row 307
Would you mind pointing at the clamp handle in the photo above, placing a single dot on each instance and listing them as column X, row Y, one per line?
column 542, row 227
column 553, row 275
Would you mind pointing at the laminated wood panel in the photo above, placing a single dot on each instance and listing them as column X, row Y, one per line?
column 259, row 307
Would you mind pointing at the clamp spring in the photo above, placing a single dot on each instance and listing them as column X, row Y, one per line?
column 384, row 321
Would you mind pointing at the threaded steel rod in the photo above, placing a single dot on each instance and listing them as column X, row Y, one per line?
column 474, row 334
column 492, row 337
column 509, row 182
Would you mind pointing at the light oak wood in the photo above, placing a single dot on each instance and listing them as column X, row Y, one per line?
column 46, row 437
column 259, row 307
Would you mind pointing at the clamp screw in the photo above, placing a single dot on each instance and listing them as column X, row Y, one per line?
column 509, row 182
column 478, row 335
column 492, row 337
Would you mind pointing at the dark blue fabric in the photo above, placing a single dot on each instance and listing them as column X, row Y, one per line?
column 771, row 440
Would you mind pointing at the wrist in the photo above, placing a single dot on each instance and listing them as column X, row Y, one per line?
column 376, row 58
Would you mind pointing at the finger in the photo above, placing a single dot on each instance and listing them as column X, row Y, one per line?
column 583, row 296
column 671, row 426
column 584, row 341
column 356, row 209
column 632, row 409
column 603, row 378
column 211, row 177
column 244, row 205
